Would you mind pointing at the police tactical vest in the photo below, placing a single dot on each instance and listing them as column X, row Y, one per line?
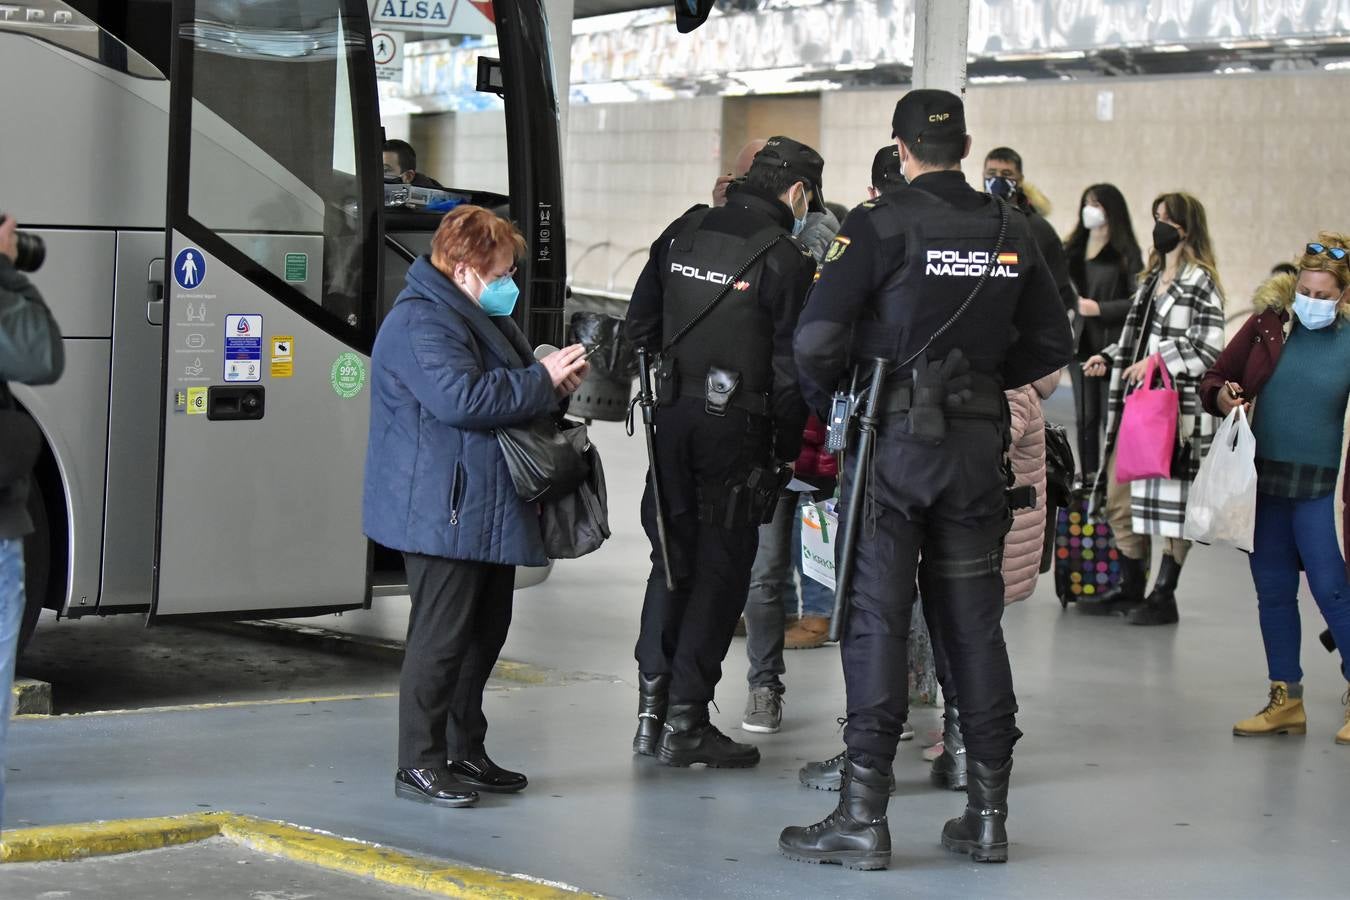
column 738, row 333
column 947, row 250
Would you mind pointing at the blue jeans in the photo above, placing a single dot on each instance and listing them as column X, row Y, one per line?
column 1288, row 531
column 773, row 592
column 11, row 618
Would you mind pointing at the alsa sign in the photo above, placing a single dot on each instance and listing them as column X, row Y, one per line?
column 456, row 16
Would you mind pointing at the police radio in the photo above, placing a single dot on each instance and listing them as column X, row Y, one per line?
column 841, row 414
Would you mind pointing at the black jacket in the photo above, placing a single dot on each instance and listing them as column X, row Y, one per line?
column 1112, row 282
column 1017, row 332
column 788, row 271
column 30, row 353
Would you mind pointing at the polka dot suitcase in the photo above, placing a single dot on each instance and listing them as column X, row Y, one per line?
column 1087, row 562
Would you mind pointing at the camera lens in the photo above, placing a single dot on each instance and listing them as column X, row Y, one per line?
column 32, row 252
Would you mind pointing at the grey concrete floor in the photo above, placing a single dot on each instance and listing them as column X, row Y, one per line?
column 1127, row 784
column 216, row 869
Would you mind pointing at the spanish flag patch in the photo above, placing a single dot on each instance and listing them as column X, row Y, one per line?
column 1007, row 259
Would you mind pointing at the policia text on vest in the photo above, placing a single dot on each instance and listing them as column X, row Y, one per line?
column 729, row 413
column 937, row 511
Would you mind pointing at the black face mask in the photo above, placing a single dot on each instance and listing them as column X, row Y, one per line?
column 1166, row 237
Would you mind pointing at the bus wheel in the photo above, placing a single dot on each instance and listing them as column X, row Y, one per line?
column 37, row 563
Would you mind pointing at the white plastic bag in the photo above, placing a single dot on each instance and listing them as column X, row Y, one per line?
column 1221, row 507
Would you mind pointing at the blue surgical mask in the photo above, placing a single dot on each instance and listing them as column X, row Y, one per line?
column 1315, row 314
column 798, row 224
column 499, row 297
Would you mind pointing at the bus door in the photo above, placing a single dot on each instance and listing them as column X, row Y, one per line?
column 271, row 282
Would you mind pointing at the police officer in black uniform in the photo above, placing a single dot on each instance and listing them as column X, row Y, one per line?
column 900, row 270
column 730, row 411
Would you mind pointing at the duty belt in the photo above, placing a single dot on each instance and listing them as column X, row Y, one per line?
column 986, row 401
column 754, row 404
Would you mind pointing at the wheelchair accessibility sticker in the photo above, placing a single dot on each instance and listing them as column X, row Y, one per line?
column 189, row 268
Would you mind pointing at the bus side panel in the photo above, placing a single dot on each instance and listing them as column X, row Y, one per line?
column 73, row 413
column 133, row 429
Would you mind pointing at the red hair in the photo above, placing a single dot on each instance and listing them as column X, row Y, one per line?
column 474, row 236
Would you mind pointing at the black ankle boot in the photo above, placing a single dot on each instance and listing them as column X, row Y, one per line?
column 949, row 769
column 1161, row 606
column 856, row 834
column 652, row 700
column 982, row 829
column 828, row 774
column 1124, row 597
column 688, row 738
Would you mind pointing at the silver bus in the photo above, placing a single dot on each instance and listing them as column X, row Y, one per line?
column 207, row 175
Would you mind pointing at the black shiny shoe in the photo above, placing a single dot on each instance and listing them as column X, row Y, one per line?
column 435, row 786
column 856, row 834
column 949, row 769
column 482, row 774
column 689, row 738
column 982, row 831
column 652, row 703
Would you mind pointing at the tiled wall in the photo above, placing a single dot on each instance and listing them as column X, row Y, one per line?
column 631, row 169
column 465, row 150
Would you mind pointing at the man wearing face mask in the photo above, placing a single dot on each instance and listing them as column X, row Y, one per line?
column 1003, row 178
column 717, row 301
column 945, row 285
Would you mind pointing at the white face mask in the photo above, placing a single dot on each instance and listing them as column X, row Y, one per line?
column 1093, row 217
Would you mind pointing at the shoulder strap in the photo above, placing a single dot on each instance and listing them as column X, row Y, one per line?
column 773, row 234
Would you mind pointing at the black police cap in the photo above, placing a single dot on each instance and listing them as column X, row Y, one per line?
column 689, row 14
column 784, row 153
column 886, row 175
column 929, row 115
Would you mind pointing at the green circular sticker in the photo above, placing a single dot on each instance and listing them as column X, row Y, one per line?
column 348, row 375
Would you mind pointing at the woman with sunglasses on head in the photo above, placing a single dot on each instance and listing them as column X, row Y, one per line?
column 1104, row 262
column 1294, row 353
column 1177, row 318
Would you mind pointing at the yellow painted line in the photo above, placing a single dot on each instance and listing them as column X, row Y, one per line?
column 233, row 704
column 364, row 860
column 384, row 864
column 66, row 842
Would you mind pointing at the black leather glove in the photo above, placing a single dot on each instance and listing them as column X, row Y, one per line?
column 938, row 385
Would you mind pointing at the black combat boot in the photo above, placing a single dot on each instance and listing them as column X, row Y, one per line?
column 1124, row 597
column 855, row 835
column 982, row 829
column 689, row 737
column 949, row 769
column 828, row 774
column 652, row 699
column 1161, row 606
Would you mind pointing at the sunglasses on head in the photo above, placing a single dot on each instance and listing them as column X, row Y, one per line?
column 1336, row 253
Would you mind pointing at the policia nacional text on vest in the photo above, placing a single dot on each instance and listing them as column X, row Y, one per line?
column 955, row 303
column 719, row 300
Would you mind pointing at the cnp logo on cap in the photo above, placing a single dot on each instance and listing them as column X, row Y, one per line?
column 929, row 115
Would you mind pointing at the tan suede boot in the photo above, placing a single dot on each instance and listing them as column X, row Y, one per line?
column 1343, row 736
column 1282, row 715
column 808, row 633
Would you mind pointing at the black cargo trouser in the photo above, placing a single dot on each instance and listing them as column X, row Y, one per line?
column 460, row 614
column 947, row 506
column 687, row 632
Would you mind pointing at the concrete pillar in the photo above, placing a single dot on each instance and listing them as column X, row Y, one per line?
column 941, row 34
column 560, row 35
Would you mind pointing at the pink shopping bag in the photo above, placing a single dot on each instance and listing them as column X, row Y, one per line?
column 1148, row 428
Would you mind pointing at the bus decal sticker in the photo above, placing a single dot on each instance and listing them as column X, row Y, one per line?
column 348, row 375
column 283, row 356
column 243, row 348
column 189, row 268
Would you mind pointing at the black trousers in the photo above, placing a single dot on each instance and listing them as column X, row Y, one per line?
column 945, row 505
column 687, row 632
column 461, row 612
column 1089, row 412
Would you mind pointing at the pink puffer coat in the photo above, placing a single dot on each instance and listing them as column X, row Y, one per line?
column 1022, row 552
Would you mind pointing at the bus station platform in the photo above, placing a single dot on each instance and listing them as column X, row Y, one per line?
column 1128, row 782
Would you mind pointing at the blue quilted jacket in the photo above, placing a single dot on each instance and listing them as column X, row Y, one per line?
column 444, row 374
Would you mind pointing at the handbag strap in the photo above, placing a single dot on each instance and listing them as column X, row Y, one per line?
column 1155, row 365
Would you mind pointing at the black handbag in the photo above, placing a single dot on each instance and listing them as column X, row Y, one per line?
column 576, row 524
column 546, row 457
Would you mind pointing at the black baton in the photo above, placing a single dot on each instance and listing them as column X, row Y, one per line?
column 857, row 491
column 647, row 402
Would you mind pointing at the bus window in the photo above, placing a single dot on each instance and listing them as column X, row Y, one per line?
column 273, row 153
